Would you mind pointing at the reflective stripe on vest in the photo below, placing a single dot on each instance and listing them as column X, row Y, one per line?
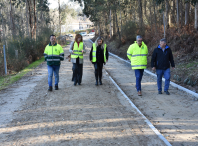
column 77, row 50
column 139, row 55
column 94, row 52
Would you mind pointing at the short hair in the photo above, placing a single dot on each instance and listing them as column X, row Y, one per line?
column 78, row 35
column 138, row 37
column 163, row 40
column 52, row 35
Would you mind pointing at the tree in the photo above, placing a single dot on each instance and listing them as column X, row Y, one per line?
column 187, row 7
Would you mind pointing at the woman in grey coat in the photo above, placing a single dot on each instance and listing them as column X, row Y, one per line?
column 77, row 49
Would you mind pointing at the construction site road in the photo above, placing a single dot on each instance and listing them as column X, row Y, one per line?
column 93, row 115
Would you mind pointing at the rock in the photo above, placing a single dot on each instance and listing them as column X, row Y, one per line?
column 189, row 82
column 186, row 80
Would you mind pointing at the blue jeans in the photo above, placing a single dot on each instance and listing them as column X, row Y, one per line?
column 53, row 69
column 166, row 74
column 138, row 75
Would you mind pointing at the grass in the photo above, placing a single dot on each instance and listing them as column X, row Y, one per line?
column 10, row 79
column 188, row 65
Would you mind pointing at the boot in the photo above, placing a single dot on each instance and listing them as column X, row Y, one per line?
column 96, row 81
column 56, row 87
column 50, row 88
column 100, row 81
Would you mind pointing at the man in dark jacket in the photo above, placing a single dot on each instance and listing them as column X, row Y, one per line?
column 161, row 59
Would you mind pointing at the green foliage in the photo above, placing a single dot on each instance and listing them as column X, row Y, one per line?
column 29, row 50
column 129, row 31
column 65, row 11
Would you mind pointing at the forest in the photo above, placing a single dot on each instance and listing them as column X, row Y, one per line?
column 119, row 21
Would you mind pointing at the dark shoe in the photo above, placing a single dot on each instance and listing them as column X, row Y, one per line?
column 56, row 87
column 50, row 88
column 159, row 92
column 139, row 93
column 75, row 83
column 96, row 83
column 79, row 83
column 167, row 93
column 100, row 81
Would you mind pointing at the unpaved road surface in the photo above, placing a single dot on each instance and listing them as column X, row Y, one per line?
column 74, row 115
column 175, row 116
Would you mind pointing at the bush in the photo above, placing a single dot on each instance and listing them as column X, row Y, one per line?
column 29, row 50
column 129, row 31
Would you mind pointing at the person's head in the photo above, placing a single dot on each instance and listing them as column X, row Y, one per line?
column 139, row 40
column 163, row 43
column 100, row 41
column 78, row 38
column 52, row 39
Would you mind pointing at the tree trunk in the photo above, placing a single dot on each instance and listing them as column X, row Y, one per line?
column 181, row 13
column 114, row 24
column 120, row 23
column 150, row 6
column 110, row 28
column 187, row 7
column 27, row 20
column 140, row 16
column 59, row 16
column 196, row 16
column 173, row 18
column 12, row 25
column 35, row 22
column 30, row 18
column 177, row 13
column 154, row 6
column 166, row 14
column 118, row 31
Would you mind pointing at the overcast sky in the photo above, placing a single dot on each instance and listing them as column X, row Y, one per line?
column 54, row 3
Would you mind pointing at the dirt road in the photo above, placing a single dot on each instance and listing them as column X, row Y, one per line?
column 74, row 115
column 175, row 116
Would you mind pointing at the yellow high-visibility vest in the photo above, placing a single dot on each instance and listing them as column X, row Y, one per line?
column 138, row 55
column 77, row 50
column 94, row 52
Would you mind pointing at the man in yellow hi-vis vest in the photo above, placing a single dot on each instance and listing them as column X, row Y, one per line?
column 98, row 56
column 53, row 55
column 137, row 54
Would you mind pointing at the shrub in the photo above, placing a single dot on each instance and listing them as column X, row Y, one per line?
column 29, row 50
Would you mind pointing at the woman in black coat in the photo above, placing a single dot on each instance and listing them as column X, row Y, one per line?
column 98, row 56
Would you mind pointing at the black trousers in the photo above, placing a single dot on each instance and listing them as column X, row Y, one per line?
column 98, row 70
column 77, row 72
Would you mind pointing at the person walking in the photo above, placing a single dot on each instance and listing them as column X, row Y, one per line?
column 98, row 56
column 161, row 59
column 137, row 54
column 77, row 49
column 53, row 55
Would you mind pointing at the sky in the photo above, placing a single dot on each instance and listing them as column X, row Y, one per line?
column 54, row 3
